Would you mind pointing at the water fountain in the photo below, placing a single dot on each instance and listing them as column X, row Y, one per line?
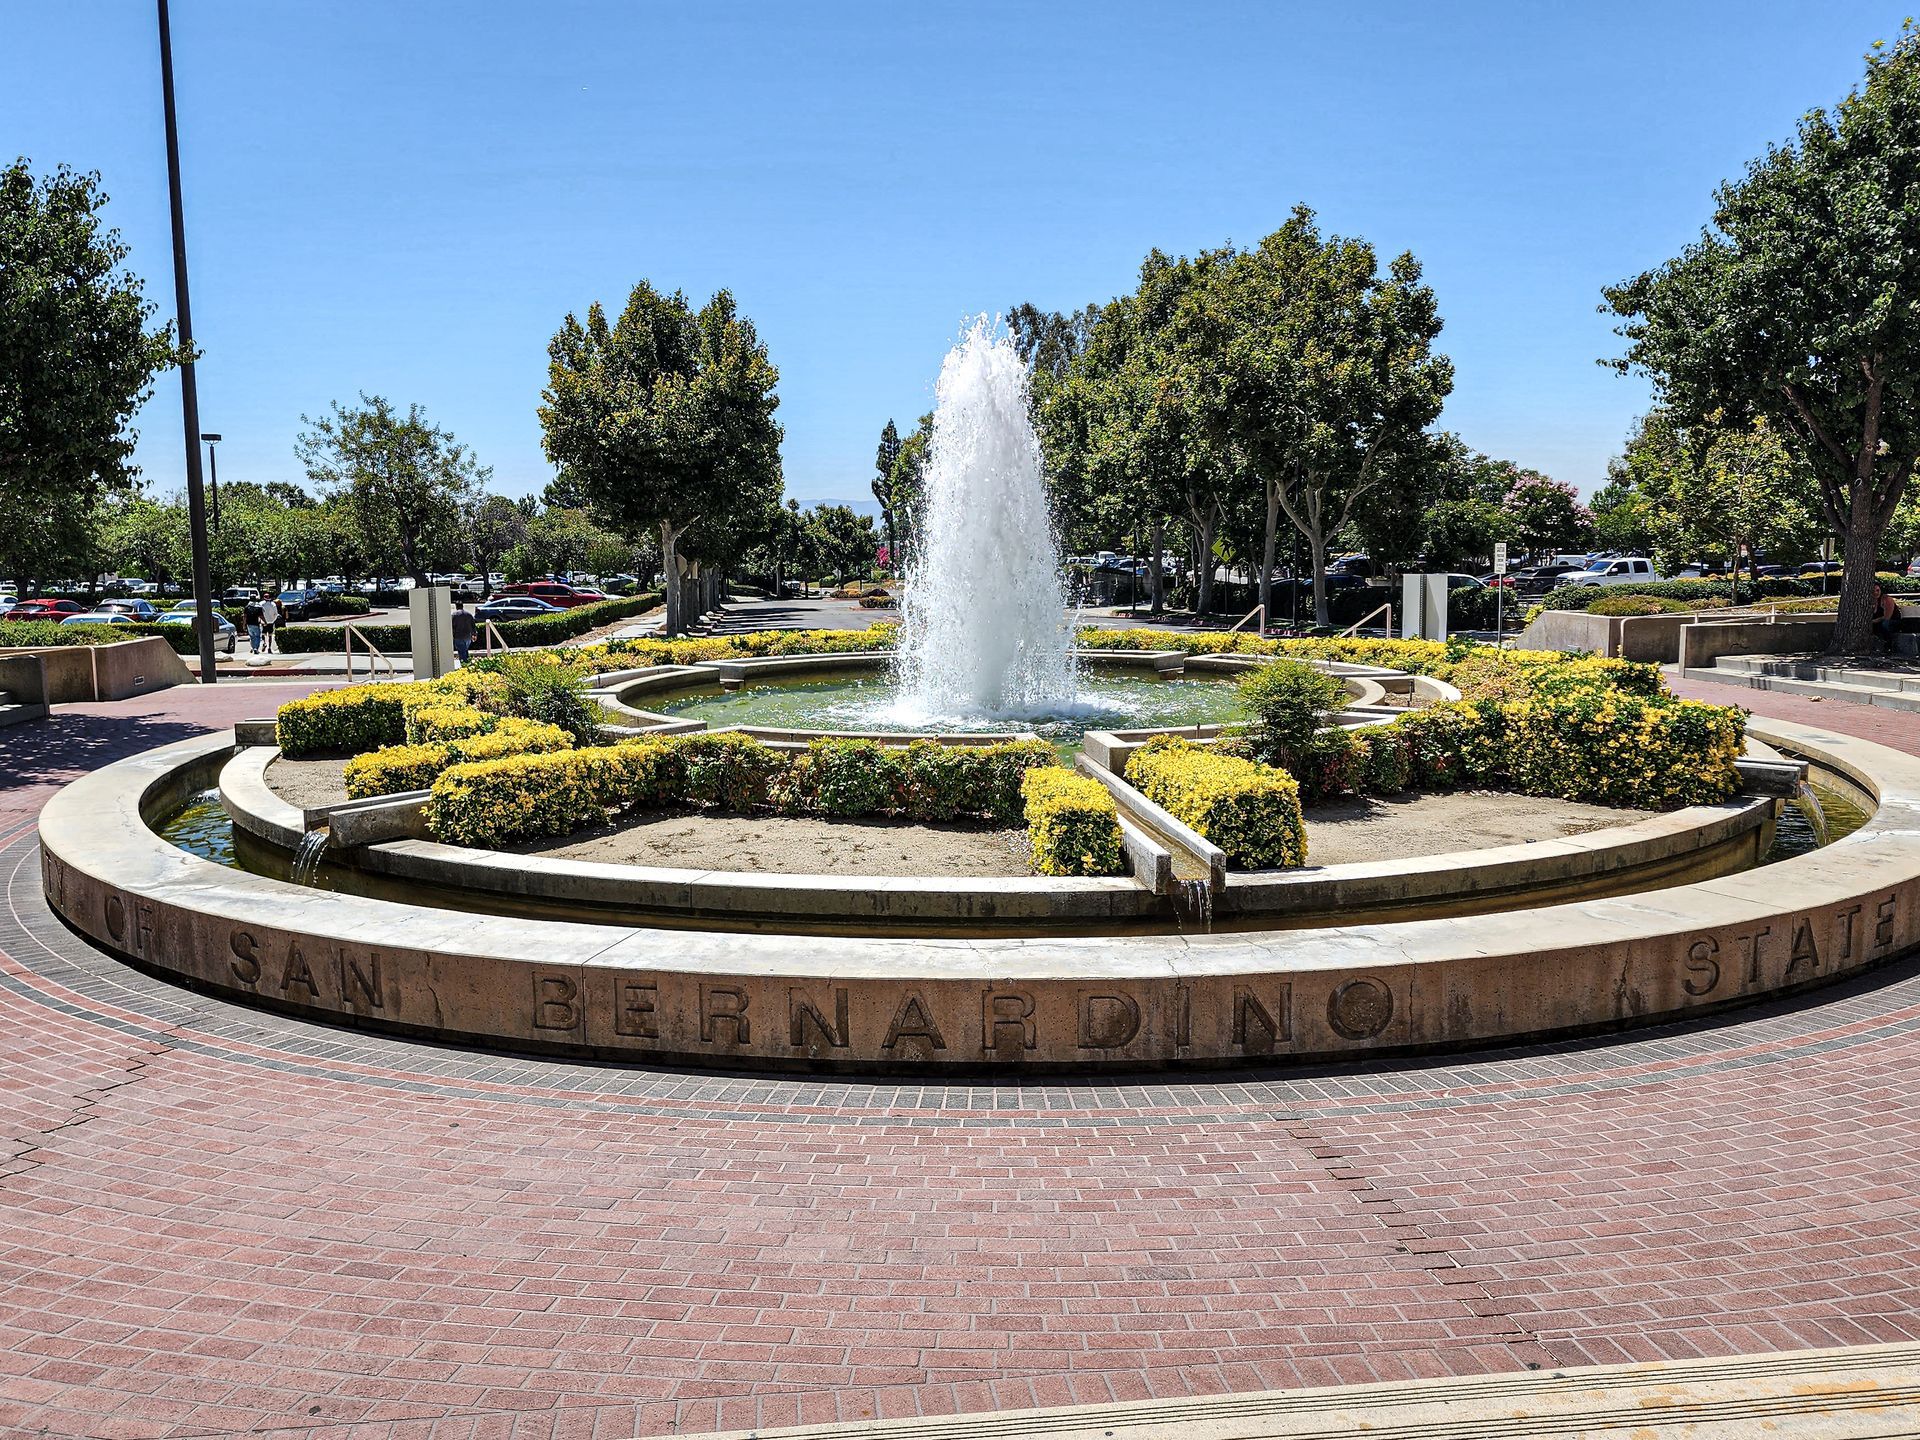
column 984, row 632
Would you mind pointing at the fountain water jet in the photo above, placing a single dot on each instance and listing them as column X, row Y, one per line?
column 983, row 625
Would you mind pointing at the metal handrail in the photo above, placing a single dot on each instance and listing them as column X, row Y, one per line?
column 1386, row 609
column 1259, row 610
column 374, row 655
column 489, row 634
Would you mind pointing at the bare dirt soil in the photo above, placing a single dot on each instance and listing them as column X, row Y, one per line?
column 309, row 783
column 1341, row 832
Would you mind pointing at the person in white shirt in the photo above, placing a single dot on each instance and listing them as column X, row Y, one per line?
column 270, row 619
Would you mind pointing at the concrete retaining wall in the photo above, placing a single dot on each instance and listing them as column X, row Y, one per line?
column 1702, row 644
column 108, row 672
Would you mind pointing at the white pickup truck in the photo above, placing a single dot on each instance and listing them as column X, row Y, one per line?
column 1628, row 569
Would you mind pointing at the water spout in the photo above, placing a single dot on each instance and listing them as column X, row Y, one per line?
column 983, row 625
column 1809, row 803
column 306, row 859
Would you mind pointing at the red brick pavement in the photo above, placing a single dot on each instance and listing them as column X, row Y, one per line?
column 215, row 1221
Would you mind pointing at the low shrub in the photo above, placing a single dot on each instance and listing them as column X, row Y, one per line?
column 414, row 767
column 1637, row 605
column 727, row 769
column 541, row 687
column 1290, row 702
column 491, row 802
column 355, row 719
column 1383, row 763
column 1249, row 810
column 437, row 724
column 1612, row 749
column 51, row 634
column 1073, row 826
column 1453, row 747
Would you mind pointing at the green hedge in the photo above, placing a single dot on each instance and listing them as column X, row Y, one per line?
column 1725, row 592
column 359, row 718
column 534, row 631
column 493, row 802
column 396, row 768
column 49, row 634
column 1073, row 825
column 1251, row 811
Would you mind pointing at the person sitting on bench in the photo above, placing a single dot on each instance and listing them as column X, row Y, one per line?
column 1886, row 616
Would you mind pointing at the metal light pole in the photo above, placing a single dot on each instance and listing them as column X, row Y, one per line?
column 189, row 394
column 213, row 480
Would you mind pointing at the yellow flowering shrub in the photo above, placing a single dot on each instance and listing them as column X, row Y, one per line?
column 396, row 768
column 1251, row 811
column 1073, row 826
column 435, row 724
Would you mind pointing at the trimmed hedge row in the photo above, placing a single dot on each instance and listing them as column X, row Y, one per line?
column 414, row 766
column 1073, row 825
column 50, row 634
column 1696, row 591
column 493, row 802
column 1249, row 810
column 536, row 630
column 359, row 718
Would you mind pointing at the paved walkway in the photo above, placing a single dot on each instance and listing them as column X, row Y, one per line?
column 214, row 1219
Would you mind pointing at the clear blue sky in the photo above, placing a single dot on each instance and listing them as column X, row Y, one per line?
column 406, row 198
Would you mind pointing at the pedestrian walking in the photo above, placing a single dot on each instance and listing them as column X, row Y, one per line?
column 253, row 625
column 270, row 613
column 462, row 630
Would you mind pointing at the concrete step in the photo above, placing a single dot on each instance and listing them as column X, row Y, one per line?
column 1815, row 670
column 1842, row 693
column 15, row 712
column 1865, row 1393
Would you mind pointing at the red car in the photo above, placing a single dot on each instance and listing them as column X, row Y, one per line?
column 554, row 593
column 44, row 610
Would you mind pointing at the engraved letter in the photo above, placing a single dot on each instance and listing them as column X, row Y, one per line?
column 1883, row 924
column 1846, row 918
column 1108, row 1021
column 1360, row 1009
column 116, row 916
column 1703, row 971
column 802, row 1012
column 1804, row 950
column 297, row 972
column 636, row 1009
column 1753, row 952
column 246, row 957
column 1183, row 1015
column 911, row 1021
column 726, row 1003
column 1006, row 1009
column 1246, row 1005
column 366, row 981
column 553, row 1003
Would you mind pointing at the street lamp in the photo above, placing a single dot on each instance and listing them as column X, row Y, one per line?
column 213, row 479
column 189, row 392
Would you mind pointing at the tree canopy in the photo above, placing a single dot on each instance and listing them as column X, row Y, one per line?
column 77, row 359
column 1799, row 305
column 664, row 420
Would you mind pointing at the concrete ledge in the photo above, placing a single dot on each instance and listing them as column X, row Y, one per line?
column 1077, row 1002
column 107, row 672
column 1200, row 853
column 1866, row 1392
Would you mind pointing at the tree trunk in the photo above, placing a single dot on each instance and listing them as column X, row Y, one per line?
column 1267, row 555
column 1317, row 552
column 670, row 575
column 1155, row 573
column 1203, row 603
column 1853, row 632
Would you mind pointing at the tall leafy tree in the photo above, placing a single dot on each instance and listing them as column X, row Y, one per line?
column 1801, row 303
column 146, row 537
column 77, row 359
column 491, row 525
column 404, row 479
column 663, row 419
column 884, row 459
column 1319, row 373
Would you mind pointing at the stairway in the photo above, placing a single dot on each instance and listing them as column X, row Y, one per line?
column 1891, row 688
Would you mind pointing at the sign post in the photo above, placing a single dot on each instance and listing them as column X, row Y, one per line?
column 1499, row 590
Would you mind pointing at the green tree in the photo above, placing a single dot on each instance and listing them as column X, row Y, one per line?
column 492, row 525
column 1318, row 371
column 142, row 536
column 405, row 479
column 1802, row 304
column 1544, row 514
column 76, row 361
column 664, row 419
column 838, row 542
column 883, row 462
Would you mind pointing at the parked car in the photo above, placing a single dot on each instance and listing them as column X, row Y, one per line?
column 1358, row 566
column 225, row 635
column 97, row 617
column 1625, row 570
column 1538, row 579
column 238, row 595
column 43, row 610
column 555, row 593
column 296, row 603
column 138, row 607
column 514, row 607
